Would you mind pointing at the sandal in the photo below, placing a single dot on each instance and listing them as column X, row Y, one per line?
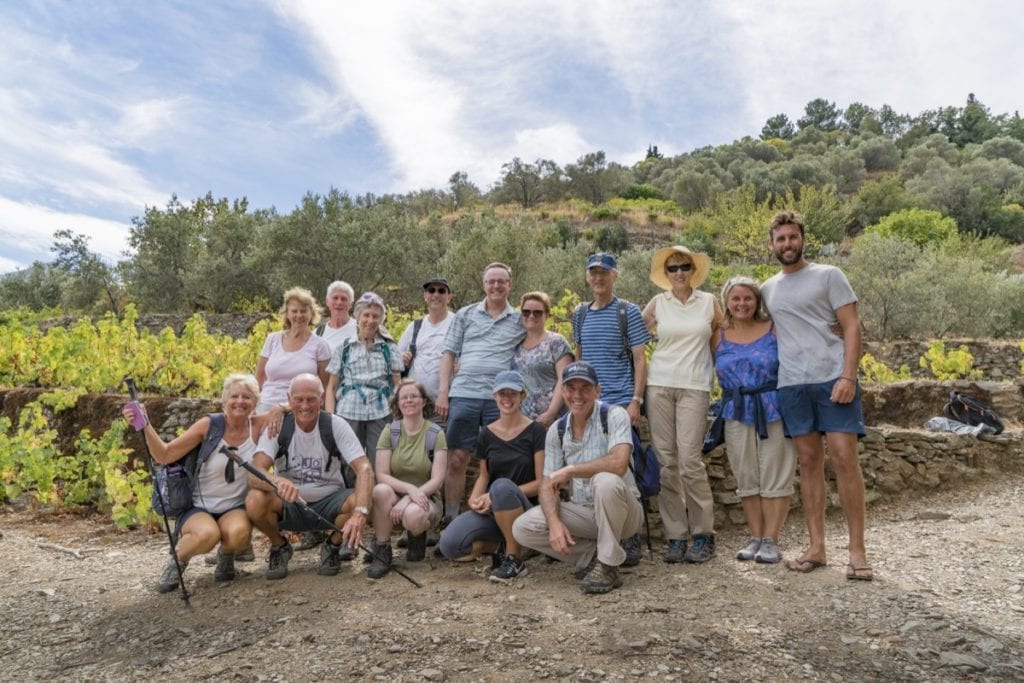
column 805, row 566
column 857, row 573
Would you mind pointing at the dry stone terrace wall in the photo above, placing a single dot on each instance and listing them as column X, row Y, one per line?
column 898, row 456
column 997, row 360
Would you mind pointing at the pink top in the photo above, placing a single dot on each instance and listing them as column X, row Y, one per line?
column 283, row 365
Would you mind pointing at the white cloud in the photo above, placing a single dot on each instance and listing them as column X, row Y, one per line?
column 31, row 227
column 9, row 265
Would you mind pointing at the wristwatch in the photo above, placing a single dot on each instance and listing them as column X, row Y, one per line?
column 639, row 400
column 363, row 510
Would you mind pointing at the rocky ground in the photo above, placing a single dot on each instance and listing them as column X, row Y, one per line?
column 946, row 604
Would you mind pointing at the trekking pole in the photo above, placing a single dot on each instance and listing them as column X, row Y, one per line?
column 134, row 394
column 233, row 455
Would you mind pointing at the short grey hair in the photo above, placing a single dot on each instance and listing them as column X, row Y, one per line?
column 341, row 284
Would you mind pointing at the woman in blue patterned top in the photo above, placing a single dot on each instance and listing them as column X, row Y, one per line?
column 762, row 459
column 540, row 359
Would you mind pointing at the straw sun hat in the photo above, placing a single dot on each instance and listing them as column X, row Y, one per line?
column 701, row 266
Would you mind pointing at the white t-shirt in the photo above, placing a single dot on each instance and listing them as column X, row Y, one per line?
column 213, row 492
column 335, row 335
column 282, row 366
column 803, row 305
column 426, row 367
column 304, row 463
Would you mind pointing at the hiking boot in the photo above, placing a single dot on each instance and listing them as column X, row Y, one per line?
column 634, row 550
column 749, row 550
column 510, row 568
column 601, row 579
column 225, row 570
column 330, row 563
column 581, row 572
column 701, row 549
column 675, row 551
column 246, row 555
column 346, row 553
column 371, row 547
column 169, row 576
column 403, row 540
column 278, row 561
column 311, row 539
column 381, row 564
column 417, row 547
column 769, row 552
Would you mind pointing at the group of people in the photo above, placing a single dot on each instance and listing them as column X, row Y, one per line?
column 553, row 427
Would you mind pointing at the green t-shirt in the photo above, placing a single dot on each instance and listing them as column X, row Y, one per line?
column 409, row 461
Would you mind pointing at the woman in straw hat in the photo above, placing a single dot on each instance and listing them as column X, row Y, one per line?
column 678, row 390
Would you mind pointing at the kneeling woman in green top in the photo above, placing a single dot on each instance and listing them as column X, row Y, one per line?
column 410, row 471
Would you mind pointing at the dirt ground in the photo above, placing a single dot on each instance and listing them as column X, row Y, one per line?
column 946, row 604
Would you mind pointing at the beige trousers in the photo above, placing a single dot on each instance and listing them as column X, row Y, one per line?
column 678, row 421
column 616, row 515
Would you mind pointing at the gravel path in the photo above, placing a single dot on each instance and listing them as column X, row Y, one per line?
column 947, row 604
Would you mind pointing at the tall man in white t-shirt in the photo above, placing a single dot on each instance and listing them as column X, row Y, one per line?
column 818, row 389
column 423, row 340
column 305, row 469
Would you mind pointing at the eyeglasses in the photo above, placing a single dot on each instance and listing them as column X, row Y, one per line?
column 491, row 283
column 676, row 267
column 533, row 312
column 437, row 290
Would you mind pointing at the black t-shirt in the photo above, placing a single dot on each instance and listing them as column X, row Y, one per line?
column 511, row 459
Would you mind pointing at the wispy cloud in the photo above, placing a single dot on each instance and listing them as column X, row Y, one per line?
column 31, row 226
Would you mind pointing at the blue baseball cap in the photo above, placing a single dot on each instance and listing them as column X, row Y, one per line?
column 602, row 259
column 508, row 379
column 580, row 370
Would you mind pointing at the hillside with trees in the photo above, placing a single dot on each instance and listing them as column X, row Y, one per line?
column 925, row 213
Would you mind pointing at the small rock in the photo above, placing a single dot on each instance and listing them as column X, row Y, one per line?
column 48, row 592
column 432, row 674
column 959, row 659
column 300, row 600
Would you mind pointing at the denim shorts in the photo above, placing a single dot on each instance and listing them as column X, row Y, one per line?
column 465, row 418
column 179, row 523
column 295, row 517
column 808, row 408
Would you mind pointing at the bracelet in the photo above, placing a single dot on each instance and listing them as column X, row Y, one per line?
column 638, row 399
column 847, row 379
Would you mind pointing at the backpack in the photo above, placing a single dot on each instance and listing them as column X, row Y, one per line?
column 416, row 325
column 971, row 411
column 643, row 463
column 385, row 350
column 324, row 426
column 622, row 310
column 433, row 429
column 174, row 483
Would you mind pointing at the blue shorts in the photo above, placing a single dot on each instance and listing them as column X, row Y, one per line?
column 295, row 517
column 465, row 418
column 179, row 523
column 808, row 408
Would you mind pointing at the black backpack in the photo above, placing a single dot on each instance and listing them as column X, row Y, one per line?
column 971, row 411
column 284, row 439
column 174, row 482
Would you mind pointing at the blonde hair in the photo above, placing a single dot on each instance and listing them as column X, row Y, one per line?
column 246, row 380
column 760, row 313
column 303, row 297
column 542, row 297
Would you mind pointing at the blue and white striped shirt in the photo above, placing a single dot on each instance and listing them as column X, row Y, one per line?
column 601, row 341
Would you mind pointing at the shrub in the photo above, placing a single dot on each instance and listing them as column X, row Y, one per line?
column 955, row 364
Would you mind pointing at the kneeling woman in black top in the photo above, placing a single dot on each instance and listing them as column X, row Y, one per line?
column 511, row 453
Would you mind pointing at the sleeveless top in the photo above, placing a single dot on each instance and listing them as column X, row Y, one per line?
column 748, row 366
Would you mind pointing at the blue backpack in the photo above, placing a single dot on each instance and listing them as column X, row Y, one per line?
column 174, row 482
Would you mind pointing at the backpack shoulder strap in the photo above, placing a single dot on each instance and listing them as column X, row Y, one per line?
column 416, row 326
column 623, row 312
column 604, row 418
column 326, row 428
column 213, row 436
column 284, row 438
column 578, row 316
column 562, row 424
column 385, row 350
column 320, row 329
column 396, row 433
column 433, row 429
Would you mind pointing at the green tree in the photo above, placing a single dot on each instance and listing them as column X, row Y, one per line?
column 37, row 287
column 778, row 126
column 529, row 184
column 166, row 247
column 464, row 193
column 89, row 279
column 876, row 198
column 821, row 114
column 919, row 226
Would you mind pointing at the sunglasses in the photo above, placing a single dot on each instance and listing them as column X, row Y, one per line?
column 676, row 267
column 436, row 290
column 371, row 298
column 533, row 312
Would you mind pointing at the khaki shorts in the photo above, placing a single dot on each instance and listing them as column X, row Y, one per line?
column 762, row 467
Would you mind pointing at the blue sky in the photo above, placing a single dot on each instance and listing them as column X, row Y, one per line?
column 109, row 107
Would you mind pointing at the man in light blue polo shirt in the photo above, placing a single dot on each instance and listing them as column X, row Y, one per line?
column 481, row 338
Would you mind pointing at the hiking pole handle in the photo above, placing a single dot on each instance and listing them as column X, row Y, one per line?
column 133, row 391
column 232, row 453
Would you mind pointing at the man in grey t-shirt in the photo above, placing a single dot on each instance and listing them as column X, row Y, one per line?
column 818, row 390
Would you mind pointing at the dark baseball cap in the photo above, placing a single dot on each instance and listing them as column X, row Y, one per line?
column 602, row 259
column 580, row 370
column 437, row 281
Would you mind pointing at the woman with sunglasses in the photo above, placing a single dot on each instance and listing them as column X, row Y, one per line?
column 540, row 359
column 218, row 513
column 364, row 372
column 678, row 394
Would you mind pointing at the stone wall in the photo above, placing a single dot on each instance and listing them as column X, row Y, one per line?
column 898, row 456
column 997, row 360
